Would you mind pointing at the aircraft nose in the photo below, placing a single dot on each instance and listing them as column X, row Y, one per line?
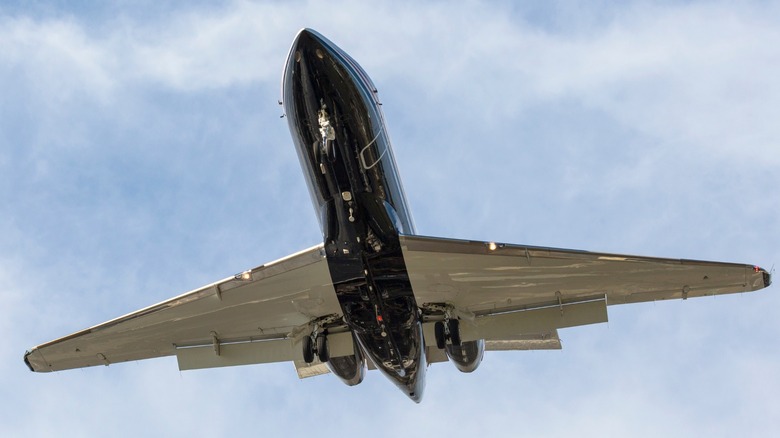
column 304, row 33
column 301, row 38
column 309, row 42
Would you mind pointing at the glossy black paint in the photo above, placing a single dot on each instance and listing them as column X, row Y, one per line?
column 350, row 369
column 466, row 356
column 339, row 132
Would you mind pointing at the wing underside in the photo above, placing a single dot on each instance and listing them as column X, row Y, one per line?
column 502, row 292
column 268, row 304
column 515, row 297
column 485, row 277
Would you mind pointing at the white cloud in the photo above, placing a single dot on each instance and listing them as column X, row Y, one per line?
column 700, row 74
column 55, row 60
column 696, row 75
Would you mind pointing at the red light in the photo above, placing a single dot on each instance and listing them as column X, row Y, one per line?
column 379, row 318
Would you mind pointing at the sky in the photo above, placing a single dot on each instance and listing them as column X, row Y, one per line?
column 142, row 155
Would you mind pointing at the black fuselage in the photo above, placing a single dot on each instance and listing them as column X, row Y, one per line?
column 339, row 132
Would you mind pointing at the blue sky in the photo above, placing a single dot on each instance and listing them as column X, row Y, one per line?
column 142, row 155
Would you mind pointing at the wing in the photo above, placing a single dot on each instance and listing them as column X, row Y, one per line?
column 505, row 292
column 250, row 318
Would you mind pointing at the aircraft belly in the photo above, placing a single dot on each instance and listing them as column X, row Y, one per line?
column 346, row 156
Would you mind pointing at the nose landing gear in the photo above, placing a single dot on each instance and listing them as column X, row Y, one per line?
column 327, row 132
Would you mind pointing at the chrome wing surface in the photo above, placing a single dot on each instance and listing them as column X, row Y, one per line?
column 505, row 292
column 254, row 317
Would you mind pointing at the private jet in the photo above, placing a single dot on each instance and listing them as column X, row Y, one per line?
column 374, row 294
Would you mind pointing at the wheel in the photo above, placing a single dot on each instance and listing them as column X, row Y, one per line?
column 454, row 327
column 308, row 350
column 441, row 339
column 322, row 348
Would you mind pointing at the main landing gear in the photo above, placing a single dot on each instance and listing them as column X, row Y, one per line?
column 316, row 343
column 465, row 355
column 447, row 330
column 316, row 346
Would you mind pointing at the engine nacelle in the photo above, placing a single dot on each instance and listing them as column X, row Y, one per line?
column 467, row 356
column 350, row 369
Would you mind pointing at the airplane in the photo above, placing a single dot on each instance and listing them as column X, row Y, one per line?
column 374, row 294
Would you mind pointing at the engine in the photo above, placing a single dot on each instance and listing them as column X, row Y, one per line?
column 350, row 369
column 467, row 356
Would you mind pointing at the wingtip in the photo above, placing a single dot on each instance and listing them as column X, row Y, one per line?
column 767, row 278
column 27, row 360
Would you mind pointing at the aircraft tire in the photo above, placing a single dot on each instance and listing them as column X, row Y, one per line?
column 441, row 340
column 322, row 349
column 454, row 326
column 308, row 350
